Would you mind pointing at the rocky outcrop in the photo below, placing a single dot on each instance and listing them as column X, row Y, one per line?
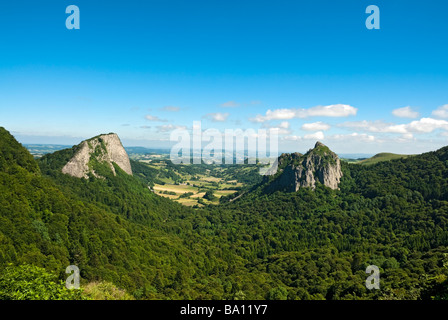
column 106, row 148
column 295, row 171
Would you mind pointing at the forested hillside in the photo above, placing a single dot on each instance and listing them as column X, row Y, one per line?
column 391, row 214
column 113, row 229
column 309, row 244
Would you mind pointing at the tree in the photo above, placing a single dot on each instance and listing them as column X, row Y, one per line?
column 209, row 195
column 278, row 293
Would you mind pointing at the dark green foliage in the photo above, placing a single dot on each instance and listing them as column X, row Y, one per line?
column 144, row 173
column 301, row 245
column 114, row 230
column 28, row 282
column 209, row 195
column 185, row 195
column 384, row 156
column 392, row 214
column 56, row 161
column 13, row 154
column 247, row 174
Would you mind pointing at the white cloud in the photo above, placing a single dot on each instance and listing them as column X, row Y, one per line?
column 279, row 114
column 315, row 126
column 230, row 104
column 217, row 117
column 427, row 125
column 424, row 125
column 405, row 112
column 441, row 112
column 407, row 136
column 283, row 127
column 315, row 136
column 169, row 127
column 154, row 118
column 171, row 108
column 371, row 126
column 398, row 128
column 352, row 136
column 282, row 131
column 334, row 110
column 292, row 138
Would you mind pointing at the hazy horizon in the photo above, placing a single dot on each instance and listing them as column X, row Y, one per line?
column 166, row 149
column 166, row 145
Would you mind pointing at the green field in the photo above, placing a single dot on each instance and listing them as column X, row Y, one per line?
column 192, row 193
column 384, row 156
column 190, row 187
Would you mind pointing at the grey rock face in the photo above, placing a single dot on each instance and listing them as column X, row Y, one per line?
column 304, row 171
column 106, row 148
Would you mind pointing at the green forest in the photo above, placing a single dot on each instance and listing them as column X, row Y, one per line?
column 130, row 243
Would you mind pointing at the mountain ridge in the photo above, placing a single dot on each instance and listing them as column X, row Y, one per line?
column 309, row 244
column 383, row 156
column 318, row 165
column 105, row 148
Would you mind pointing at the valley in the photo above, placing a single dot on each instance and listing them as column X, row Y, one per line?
column 149, row 229
column 205, row 185
column 205, row 158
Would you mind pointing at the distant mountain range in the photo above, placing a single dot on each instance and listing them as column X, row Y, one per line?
column 41, row 149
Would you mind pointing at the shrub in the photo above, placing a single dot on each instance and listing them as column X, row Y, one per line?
column 28, row 282
column 105, row 291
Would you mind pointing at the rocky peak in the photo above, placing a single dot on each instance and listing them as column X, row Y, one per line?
column 288, row 157
column 103, row 149
column 319, row 144
column 318, row 165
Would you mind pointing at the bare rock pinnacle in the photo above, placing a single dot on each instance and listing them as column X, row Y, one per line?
column 105, row 148
column 318, row 165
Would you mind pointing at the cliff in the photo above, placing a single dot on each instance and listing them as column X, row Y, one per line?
column 103, row 149
column 295, row 171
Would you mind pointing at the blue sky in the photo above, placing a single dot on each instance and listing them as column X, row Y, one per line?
column 310, row 68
